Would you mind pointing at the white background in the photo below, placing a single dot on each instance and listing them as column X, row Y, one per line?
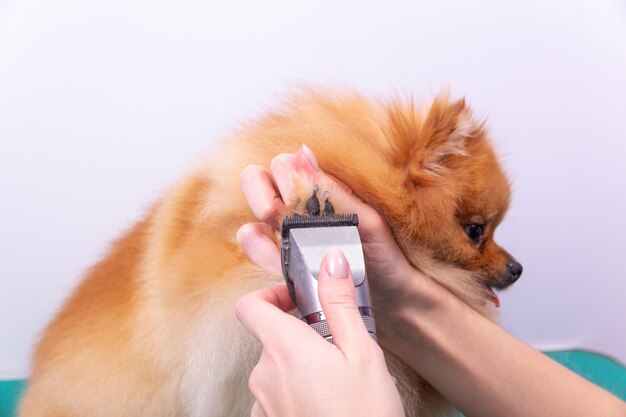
column 103, row 103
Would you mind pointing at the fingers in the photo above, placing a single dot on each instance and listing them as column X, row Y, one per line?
column 338, row 299
column 261, row 194
column 262, row 314
column 256, row 239
column 268, row 192
column 283, row 168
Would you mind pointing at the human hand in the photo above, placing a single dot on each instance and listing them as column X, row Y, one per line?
column 391, row 277
column 299, row 372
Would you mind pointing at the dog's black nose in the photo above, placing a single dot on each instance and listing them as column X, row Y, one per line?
column 515, row 270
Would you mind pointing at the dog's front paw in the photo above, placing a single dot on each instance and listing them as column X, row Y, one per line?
column 311, row 200
column 319, row 203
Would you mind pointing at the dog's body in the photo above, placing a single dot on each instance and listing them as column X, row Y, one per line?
column 151, row 329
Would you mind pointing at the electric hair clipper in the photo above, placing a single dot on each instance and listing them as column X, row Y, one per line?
column 305, row 240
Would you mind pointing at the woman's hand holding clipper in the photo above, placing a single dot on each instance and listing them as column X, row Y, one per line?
column 300, row 373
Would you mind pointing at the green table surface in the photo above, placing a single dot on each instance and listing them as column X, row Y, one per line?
column 599, row 369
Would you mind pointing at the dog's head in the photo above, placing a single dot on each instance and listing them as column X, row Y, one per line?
column 432, row 174
column 456, row 194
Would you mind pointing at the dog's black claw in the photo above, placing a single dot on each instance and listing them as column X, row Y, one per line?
column 328, row 207
column 313, row 205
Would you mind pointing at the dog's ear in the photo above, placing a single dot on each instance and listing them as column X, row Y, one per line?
column 438, row 144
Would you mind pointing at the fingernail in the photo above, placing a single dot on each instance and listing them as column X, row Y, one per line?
column 310, row 157
column 337, row 264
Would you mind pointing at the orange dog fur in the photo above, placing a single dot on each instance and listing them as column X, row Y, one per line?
column 150, row 331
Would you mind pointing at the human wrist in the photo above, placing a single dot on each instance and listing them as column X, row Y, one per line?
column 408, row 320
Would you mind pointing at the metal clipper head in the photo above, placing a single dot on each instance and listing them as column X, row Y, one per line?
column 305, row 241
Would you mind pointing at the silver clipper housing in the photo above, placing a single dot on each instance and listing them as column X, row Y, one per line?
column 305, row 240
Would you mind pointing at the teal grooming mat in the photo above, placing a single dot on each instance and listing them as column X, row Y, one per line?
column 602, row 371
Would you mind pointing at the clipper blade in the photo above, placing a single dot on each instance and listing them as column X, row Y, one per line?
column 298, row 221
column 305, row 240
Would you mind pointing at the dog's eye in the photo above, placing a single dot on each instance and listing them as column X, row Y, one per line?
column 474, row 232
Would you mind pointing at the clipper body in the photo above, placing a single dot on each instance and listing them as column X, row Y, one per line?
column 304, row 243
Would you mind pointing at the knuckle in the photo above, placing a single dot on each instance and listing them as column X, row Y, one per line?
column 368, row 354
column 244, row 232
column 250, row 171
column 360, row 356
column 281, row 157
column 281, row 160
column 242, row 305
column 374, row 221
column 254, row 384
column 343, row 298
column 377, row 353
column 267, row 210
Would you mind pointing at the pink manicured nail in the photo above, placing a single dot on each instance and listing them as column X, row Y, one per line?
column 337, row 264
column 310, row 157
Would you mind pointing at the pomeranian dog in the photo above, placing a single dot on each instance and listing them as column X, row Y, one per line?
column 151, row 329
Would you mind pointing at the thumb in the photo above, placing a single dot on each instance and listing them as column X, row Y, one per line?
column 338, row 299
